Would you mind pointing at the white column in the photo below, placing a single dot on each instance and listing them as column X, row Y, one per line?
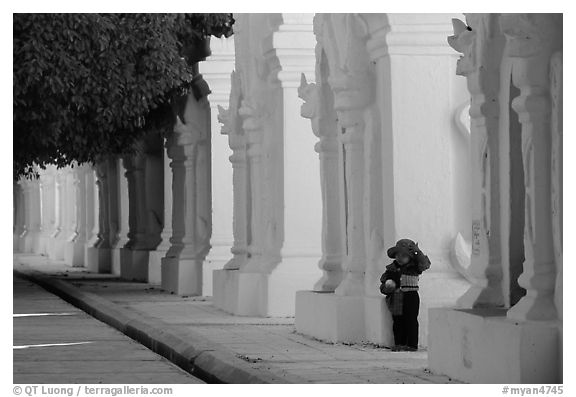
column 25, row 237
column 47, row 208
column 49, row 204
column 253, row 130
column 74, row 251
column 324, row 126
column 138, row 172
column 231, row 127
column 58, row 237
column 216, row 71
column 531, row 74
column 155, row 206
column 113, row 198
column 91, row 209
column 36, row 216
column 122, row 202
column 155, row 262
column 68, row 213
column 18, row 215
column 167, row 224
column 182, row 266
column 98, row 255
column 481, row 66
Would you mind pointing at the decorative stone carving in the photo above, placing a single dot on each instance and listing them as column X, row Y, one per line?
column 532, row 39
column 231, row 126
column 327, row 148
column 350, row 77
column 481, row 45
column 181, row 268
column 310, row 108
column 464, row 42
column 252, row 115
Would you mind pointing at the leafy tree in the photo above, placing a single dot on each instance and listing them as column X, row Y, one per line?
column 90, row 85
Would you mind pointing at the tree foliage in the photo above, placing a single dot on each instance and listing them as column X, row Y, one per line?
column 89, row 85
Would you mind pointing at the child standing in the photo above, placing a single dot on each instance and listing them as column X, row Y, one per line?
column 400, row 285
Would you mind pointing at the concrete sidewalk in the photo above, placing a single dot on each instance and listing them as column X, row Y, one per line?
column 216, row 346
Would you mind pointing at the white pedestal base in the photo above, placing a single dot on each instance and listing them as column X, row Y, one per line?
column 225, row 290
column 74, row 254
column 215, row 260
column 116, row 258
column 329, row 317
column 56, row 249
column 155, row 267
column 483, row 346
column 22, row 243
column 182, row 276
column 43, row 245
column 98, row 260
column 262, row 294
column 378, row 321
column 31, row 244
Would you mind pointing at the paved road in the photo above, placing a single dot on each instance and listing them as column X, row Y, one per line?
column 54, row 342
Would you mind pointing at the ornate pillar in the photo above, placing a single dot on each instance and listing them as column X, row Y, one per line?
column 22, row 209
column 154, row 178
column 48, row 205
column 59, row 235
column 18, row 215
column 155, row 272
column 68, row 213
column 139, row 202
column 167, row 227
column 317, row 107
column 98, row 257
column 251, row 123
column 25, row 237
column 36, row 216
column 350, row 80
column 91, row 208
column 182, row 266
column 231, row 127
column 482, row 46
column 122, row 202
column 216, row 71
column 532, row 39
column 74, row 250
column 113, row 205
column 344, row 80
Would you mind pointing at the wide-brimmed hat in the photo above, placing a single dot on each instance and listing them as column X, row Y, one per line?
column 405, row 246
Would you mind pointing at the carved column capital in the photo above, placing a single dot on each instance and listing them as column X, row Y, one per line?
column 229, row 117
column 351, row 71
column 464, row 42
column 187, row 133
column 253, row 116
column 308, row 92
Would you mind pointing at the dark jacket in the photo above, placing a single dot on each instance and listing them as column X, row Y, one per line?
column 394, row 299
column 418, row 263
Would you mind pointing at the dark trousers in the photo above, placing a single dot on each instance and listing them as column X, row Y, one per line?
column 405, row 326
